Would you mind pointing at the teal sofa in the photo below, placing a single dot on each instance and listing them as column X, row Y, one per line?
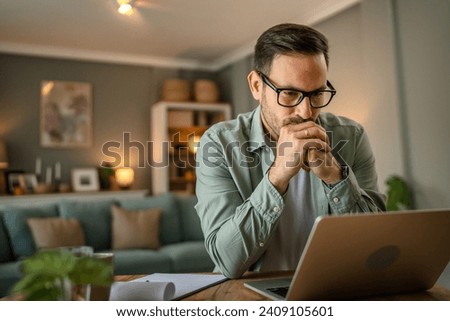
column 182, row 247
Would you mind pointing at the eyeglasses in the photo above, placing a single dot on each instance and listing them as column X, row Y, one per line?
column 289, row 97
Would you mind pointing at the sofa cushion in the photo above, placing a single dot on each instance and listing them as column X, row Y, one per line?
column 190, row 221
column 15, row 219
column 170, row 222
column 5, row 246
column 52, row 232
column 10, row 274
column 95, row 218
column 138, row 229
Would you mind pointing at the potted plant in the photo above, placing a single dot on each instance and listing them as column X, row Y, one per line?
column 399, row 196
column 61, row 275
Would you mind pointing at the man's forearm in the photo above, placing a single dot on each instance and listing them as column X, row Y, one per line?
column 236, row 235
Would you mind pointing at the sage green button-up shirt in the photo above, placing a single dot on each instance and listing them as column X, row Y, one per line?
column 239, row 207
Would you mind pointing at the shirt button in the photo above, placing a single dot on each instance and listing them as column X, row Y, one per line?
column 261, row 244
column 276, row 209
column 336, row 200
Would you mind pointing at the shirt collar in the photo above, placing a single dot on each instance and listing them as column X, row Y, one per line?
column 257, row 135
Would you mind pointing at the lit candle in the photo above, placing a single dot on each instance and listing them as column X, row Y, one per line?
column 48, row 176
column 57, row 171
column 38, row 166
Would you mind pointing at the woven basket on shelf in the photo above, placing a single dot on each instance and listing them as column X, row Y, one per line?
column 176, row 90
column 206, row 91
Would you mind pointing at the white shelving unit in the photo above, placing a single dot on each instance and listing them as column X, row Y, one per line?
column 175, row 127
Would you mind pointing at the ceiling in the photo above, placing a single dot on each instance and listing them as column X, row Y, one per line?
column 194, row 34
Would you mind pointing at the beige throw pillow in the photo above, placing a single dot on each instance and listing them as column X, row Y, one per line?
column 52, row 232
column 135, row 229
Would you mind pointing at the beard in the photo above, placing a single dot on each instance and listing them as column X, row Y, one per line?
column 273, row 123
column 295, row 120
column 269, row 120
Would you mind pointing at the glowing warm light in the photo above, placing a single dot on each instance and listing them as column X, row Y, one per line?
column 125, row 9
column 124, row 177
column 47, row 88
column 193, row 143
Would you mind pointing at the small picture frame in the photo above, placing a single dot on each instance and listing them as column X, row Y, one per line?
column 13, row 180
column 28, row 182
column 85, row 179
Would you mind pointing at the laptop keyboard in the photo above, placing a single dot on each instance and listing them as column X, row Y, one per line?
column 281, row 291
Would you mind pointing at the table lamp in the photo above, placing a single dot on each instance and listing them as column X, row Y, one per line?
column 124, row 177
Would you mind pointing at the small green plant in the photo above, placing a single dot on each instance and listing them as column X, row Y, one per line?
column 47, row 273
column 399, row 196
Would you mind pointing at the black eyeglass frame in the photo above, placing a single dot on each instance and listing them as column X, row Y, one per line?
column 267, row 81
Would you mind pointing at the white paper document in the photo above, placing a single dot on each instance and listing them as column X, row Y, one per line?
column 163, row 286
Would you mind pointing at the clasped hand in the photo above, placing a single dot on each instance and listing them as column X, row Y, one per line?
column 303, row 146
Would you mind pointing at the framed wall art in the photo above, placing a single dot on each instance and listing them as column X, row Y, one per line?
column 66, row 114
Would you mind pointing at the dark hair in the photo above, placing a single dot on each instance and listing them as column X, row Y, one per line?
column 288, row 38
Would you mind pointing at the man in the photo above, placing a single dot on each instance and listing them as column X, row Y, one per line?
column 264, row 177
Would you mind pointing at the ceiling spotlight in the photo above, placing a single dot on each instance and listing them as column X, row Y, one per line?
column 125, row 7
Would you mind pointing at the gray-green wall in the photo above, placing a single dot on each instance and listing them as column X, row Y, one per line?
column 388, row 63
column 122, row 96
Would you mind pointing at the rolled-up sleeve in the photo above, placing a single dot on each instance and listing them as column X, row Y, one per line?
column 359, row 191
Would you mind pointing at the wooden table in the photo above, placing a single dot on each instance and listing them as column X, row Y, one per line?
column 234, row 290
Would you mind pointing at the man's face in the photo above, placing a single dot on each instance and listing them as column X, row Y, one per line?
column 296, row 71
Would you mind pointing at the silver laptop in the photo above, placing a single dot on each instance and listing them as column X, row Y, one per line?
column 356, row 256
